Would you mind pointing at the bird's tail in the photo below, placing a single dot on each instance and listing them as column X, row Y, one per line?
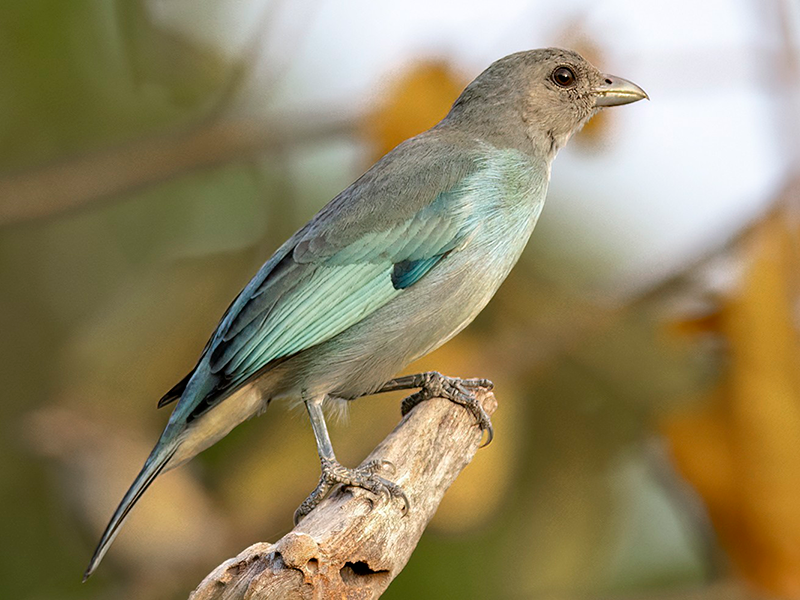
column 155, row 463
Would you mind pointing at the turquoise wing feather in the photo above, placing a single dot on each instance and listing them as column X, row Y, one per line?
column 330, row 276
column 315, row 295
column 407, row 273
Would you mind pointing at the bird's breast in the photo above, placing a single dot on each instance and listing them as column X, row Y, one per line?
column 455, row 292
column 511, row 204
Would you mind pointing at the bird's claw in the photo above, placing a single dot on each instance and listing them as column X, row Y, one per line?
column 366, row 477
column 460, row 391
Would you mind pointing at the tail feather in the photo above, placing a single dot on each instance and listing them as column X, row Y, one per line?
column 155, row 463
column 176, row 392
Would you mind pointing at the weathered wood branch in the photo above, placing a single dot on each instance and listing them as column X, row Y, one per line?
column 353, row 545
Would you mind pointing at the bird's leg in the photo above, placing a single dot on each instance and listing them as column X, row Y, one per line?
column 366, row 476
column 435, row 385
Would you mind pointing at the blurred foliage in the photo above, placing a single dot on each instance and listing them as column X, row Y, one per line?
column 419, row 97
column 82, row 73
column 741, row 446
column 102, row 309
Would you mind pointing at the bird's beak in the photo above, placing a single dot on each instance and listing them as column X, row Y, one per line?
column 615, row 91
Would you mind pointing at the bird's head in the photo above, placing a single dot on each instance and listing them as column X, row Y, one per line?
column 541, row 96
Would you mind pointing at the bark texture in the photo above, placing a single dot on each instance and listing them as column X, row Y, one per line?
column 353, row 544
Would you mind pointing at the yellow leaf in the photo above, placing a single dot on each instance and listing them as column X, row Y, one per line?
column 741, row 449
column 416, row 101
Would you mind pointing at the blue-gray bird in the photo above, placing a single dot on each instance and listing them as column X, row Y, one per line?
column 389, row 270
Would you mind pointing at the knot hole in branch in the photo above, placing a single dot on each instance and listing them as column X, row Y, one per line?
column 359, row 574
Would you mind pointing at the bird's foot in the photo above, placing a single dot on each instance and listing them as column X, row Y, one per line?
column 366, row 477
column 460, row 391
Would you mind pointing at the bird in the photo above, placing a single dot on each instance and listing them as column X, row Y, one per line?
column 389, row 270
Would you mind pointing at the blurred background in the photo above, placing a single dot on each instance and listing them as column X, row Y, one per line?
column 153, row 153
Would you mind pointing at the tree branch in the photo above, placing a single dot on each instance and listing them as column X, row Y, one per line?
column 80, row 181
column 352, row 545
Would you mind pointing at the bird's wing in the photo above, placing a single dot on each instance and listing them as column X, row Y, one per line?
column 375, row 240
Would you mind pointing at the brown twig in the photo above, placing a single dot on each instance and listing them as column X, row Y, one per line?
column 353, row 545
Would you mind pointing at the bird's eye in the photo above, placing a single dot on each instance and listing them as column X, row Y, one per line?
column 563, row 77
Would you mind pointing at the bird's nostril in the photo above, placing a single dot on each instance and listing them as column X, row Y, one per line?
column 608, row 81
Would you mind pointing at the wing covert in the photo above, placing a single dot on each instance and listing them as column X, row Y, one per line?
column 367, row 246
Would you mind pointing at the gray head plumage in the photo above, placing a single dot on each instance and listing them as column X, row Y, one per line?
column 536, row 99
